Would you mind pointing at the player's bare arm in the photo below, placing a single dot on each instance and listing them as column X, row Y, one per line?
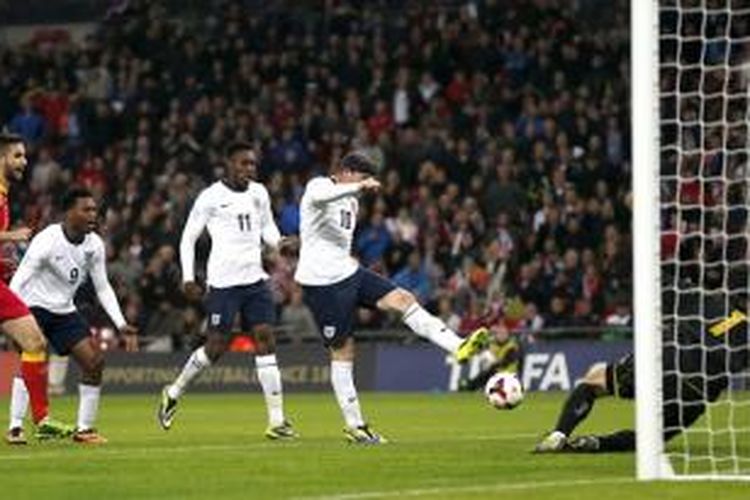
column 192, row 290
column 16, row 235
column 129, row 335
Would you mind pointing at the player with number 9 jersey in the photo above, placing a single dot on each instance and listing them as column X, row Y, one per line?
column 58, row 261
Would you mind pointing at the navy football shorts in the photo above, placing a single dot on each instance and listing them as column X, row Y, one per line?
column 253, row 302
column 63, row 331
column 334, row 306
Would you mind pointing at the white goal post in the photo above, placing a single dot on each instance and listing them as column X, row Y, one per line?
column 689, row 77
column 644, row 64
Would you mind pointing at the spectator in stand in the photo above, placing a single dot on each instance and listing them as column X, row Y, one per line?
column 297, row 319
column 373, row 240
column 414, row 278
column 27, row 122
column 54, row 105
column 500, row 153
column 559, row 316
column 46, row 174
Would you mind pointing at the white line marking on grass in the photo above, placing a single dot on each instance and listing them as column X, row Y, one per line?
column 480, row 437
column 456, row 490
column 76, row 450
column 73, row 450
column 492, row 437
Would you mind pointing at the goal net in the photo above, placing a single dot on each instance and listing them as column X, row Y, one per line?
column 691, row 130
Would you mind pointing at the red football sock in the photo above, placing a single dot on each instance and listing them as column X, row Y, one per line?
column 34, row 373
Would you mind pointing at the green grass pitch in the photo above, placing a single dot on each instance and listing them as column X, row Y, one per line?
column 442, row 446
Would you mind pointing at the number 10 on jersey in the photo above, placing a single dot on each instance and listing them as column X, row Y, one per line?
column 346, row 219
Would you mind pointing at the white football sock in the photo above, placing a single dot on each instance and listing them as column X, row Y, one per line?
column 269, row 377
column 196, row 363
column 88, row 406
column 58, row 369
column 430, row 327
column 342, row 380
column 19, row 403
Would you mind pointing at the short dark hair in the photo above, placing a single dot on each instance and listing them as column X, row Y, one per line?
column 7, row 139
column 358, row 161
column 236, row 147
column 73, row 195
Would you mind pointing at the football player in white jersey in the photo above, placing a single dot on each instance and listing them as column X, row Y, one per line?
column 58, row 260
column 334, row 284
column 236, row 211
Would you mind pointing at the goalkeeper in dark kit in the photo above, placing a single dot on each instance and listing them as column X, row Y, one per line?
column 705, row 344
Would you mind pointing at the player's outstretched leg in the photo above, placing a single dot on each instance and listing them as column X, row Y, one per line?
column 575, row 409
column 269, row 377
column 621, row 441
column 431, row 327
column 473, row 344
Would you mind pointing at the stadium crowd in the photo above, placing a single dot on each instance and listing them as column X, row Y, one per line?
column 504, row 154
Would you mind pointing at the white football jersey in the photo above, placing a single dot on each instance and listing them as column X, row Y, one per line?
column 237, row 222
column 328, row 216
column 53, row 268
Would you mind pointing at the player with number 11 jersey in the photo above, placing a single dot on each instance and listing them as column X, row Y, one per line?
column 236, row 212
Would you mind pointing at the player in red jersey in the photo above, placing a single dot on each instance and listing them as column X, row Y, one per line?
column 16, row 320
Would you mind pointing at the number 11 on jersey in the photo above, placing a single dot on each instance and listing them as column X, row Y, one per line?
column 244, row 221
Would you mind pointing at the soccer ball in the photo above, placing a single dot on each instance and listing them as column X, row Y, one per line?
column 503, row 391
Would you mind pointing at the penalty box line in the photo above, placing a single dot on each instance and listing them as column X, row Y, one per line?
column 486, row 488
